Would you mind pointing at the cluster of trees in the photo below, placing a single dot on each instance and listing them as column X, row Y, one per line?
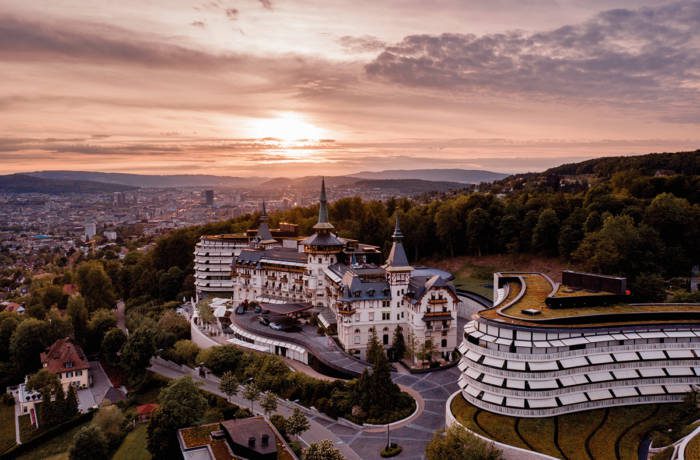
column 376, row 397
column 56, row 406
column 102, row 436
column 372, row 397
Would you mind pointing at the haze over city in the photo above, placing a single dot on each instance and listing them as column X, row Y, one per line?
column 283, row 88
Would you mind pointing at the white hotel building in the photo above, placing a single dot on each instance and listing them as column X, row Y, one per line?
column 338, row 277
column 546, row 349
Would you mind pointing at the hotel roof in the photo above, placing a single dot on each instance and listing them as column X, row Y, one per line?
column 525, row 304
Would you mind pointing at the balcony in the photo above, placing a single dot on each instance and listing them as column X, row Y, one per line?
column 437, row 301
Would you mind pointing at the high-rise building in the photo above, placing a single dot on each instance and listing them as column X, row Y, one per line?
column 208, row 196
column 90, row 230
column 118, row 199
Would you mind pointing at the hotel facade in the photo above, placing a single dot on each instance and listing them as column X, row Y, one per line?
column 546, row 348
column 348, row 284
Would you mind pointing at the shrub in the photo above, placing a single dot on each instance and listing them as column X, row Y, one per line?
column 391, row 450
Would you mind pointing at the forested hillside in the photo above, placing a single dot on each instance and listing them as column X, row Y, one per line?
column 636, row 216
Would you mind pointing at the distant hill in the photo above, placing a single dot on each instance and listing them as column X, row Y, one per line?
column 397, row 186
column 153, row 180
column 23, row 183
column 409, row 186
column 464, row 176
column 687, row 163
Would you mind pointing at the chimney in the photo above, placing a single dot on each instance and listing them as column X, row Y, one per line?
column 265, row 440
column 251, row 442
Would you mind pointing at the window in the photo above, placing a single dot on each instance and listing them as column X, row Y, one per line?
column 78, row 373
column 371, row 316
column 357, row 339
column 385, row 339
column 69, row 375
column 443, row 344
column 386, row 316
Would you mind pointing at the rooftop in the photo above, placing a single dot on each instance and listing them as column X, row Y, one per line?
column 63, row 355
column 525, row 303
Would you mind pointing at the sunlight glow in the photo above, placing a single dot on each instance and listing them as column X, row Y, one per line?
column 287, row 127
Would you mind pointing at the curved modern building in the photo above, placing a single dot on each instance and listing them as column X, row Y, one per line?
column 546, row 348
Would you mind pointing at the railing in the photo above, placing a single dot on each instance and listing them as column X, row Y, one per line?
column 515, row 412
column 582, row 352
column 578, row 370
column 437, row 301
column 608, row 385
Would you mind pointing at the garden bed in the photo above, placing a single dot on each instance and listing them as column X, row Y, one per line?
column 613, row 433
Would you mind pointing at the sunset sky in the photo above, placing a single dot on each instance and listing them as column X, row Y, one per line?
column 282, row 87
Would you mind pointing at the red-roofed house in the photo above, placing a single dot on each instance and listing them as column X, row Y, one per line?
column 67, row 360
column 145, row 411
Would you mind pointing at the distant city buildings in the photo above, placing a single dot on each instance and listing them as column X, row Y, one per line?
column 208, row 197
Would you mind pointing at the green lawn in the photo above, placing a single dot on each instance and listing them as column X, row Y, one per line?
column 692, row 450
column 478, row 281
column 134, row 446
column 7, row 427
column 55, row 448
column 617, row 438
column 26, row 429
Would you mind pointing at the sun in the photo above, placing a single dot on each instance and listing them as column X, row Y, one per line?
column 287, row 127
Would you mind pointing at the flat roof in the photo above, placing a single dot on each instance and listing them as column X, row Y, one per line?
column 529, row 290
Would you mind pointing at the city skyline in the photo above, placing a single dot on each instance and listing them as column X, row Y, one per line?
column 280, row 88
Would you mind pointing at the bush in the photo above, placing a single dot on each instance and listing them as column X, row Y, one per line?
column 391, row 451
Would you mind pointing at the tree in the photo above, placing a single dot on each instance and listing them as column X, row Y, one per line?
column 479, row 230
column 181, row 405
column 185, row 352
column 229, row 384
column 101, row 321
column 137, row 353
column 457, row 444
column 112, row 344
column 43, row 379
column 109, row 420
column 89, row 443
column 297, row 423
column 170, row 283
column 268, row 402
column 545, row 235
column 206, row 314
column 77, row 311
column 399, row 344
column 223, row 358
column 8, row 324
column 426, row 350
column 30, row 338
column 251, row 392
column 95, row 285
column 70, row 405
column 323, row 450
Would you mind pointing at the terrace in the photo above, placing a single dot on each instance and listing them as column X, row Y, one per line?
column 526, row 304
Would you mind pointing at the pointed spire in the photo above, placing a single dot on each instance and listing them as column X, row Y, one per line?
column 323, row 209
column 397, row 231
column 397, row 256
column 263, row 229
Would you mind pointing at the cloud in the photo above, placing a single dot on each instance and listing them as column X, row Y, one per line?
column 231, row 13
column 642, row 56
column 30, row 40
column 198, row 24
column 363, row 44
column 267, row 4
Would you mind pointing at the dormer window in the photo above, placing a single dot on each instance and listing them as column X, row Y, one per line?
column 69, row 364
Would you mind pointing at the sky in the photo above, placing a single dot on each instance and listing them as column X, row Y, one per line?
column 293, row 88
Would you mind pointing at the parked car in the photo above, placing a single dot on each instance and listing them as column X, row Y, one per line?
column 240, row 310
column 276, row 326
column 258, row 309
column 263, row 320
column 284, row 324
